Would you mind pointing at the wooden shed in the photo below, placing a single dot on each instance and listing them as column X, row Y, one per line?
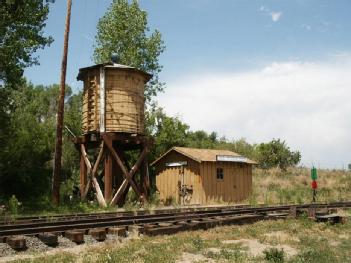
column 203, row 176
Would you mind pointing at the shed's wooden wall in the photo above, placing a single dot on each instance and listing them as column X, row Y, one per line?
column 124, row 101
column 167, row 178
column 235, row 186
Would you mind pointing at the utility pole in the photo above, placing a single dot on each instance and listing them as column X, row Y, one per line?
column 56, row 180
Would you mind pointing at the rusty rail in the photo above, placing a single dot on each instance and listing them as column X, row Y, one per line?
column 106, row 220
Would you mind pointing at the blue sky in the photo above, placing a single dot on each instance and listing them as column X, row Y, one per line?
column 287, row 60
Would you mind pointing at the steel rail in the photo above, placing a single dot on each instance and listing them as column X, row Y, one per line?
column 6, row 220
column 112, row 221
column 27, row 219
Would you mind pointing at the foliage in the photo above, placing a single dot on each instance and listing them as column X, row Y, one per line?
column 26, row 155
column 167, row 131
column 24, row 158
column 124, row 30
column 274, row 255
column 200, row 139
column 21, row 34
column 171, row 131
column 13, row 205
column 240, row 146
column 276, row 154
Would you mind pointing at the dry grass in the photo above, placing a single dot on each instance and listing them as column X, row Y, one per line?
column 294, row 186
column 302, row 241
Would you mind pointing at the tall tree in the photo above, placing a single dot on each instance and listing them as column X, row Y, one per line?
column 167, row 131
column 277, row 154
column 123, row 30
column 26, row 155
column 21, row 34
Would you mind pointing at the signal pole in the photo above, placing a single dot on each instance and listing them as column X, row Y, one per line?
column 56, row 177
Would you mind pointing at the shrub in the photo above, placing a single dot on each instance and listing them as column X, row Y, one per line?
column 274, row 255
column 277, row 154
column 13, row 205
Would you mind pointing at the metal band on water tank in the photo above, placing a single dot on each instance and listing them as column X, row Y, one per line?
column 102, row 99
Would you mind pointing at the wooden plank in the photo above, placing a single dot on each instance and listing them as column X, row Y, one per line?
column 128, row 179
column 83, row 176
column 127, row 176
column 92, row 173
column 108, row 177
column 144, row 178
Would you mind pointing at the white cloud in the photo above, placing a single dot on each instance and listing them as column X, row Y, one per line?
column 276, row 16
column 306, row 104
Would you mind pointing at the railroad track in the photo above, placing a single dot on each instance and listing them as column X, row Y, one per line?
column 160, row 221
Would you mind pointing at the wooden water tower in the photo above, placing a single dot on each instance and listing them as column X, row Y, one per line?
column 113, row 125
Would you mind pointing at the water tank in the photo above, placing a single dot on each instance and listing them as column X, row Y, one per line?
column 113, row 98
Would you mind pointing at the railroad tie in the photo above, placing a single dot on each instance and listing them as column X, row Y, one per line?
column 76, row 236
column 135, row 230
column 49, row 239
column 193, row 225
column 119, row 231
column 208, row 223
column 99, row 234
column 311, row 212
column 275, row 216
column 164, row 229
column 332, row 218
column 242, row 219
column 17, row 242
column 293, row 212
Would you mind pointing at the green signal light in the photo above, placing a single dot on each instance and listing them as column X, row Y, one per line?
column 314, row 173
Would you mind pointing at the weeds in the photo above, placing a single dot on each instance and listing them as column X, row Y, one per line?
column 197, row 243
column 274, row 255
column 13, row 205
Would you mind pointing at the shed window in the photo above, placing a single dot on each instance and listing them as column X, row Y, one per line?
column 220, row 174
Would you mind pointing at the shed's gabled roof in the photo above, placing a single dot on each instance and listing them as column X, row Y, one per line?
column 203, row 155
column 112, row 65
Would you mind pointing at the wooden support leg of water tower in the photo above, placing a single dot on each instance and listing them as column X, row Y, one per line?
column 120, row 177
column 83, row 175
column 144, row 178
column 108, row 177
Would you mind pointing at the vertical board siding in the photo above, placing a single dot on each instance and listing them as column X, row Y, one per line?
column 124, row 101
column 236, row 185
column 167, row 179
